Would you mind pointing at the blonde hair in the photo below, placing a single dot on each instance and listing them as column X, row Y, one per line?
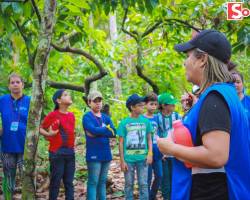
column 215, row 71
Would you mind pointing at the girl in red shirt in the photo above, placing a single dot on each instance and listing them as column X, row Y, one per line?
column 58, row 128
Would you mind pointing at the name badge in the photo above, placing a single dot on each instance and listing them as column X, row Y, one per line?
column 14, row 126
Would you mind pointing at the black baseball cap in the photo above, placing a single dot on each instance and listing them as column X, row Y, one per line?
column 210, row 41
column 57, row 95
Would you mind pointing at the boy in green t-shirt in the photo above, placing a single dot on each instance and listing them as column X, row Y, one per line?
column 135, row 146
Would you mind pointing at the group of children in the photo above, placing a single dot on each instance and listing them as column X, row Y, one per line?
column 137, row 145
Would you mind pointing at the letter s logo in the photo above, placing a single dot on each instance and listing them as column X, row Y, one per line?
column 236, row 9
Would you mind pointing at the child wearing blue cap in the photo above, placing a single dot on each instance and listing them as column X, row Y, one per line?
column 135, row 146
column 58, row 127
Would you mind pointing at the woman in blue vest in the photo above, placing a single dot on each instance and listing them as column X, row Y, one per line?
column 14, row 109
column 239, row 84
column 218, row 125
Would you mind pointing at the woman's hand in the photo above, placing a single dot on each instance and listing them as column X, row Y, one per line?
column 166, row 145
column 188, row 100
column 164, row 157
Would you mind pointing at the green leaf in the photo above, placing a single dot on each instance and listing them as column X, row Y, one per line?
column 154, row 3
column 148, row 6
column 238, row 47
column 27, row 9
column 106, row 8
column 80, row 4
column 4, row 6
column 141, row 5
column 3, row 90
column 74, row 9
column 76, row 38
column 17, row 9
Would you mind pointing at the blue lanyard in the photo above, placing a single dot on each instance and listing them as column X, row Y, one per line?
column 97, row 120
column 15, row 108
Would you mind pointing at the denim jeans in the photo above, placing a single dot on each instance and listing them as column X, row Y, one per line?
column 167, row 178
column 97, row 178
column 62, row 167
column 141, row 169
column 154, row 187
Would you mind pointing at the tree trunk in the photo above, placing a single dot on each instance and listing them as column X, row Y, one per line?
column 93, row 85
column 16, row 54
column 116, row 66
column 36, row 105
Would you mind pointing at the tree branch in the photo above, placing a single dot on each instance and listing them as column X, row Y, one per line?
column 133, row 34
column 139, row 70
column 64, row 38
column 82, row 53
column 30, row 56
column 124, row 17
column 90, row 79
column 138, row 38
column 59, row 85
column 35, row 8
column 145, row 78
column 185, row 23
column 152, row 28
column 130, row 34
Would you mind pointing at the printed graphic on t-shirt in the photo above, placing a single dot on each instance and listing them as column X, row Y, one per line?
column 154, row 132
column 136, row 142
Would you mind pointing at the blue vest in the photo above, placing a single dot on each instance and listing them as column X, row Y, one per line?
column 246, row 104
column 238, row 166
column 14, row 111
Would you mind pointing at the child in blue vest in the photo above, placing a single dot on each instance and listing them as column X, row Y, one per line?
column 135, row 146
column 165, row 119
column 151, row 104
column 98, row 129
